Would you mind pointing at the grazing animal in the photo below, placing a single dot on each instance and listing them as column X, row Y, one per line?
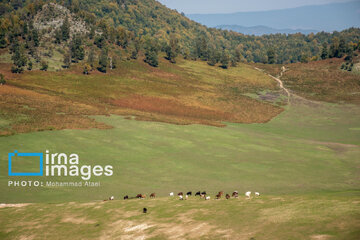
column 126, row 197
column 186, row 197
column 181, row 197
column 144, row 210
column 248, row 194
column 257, row 194
column 180, row 193
column 202, row 196
column 111, row 198
column 227, row 196
column 141, row 196
column 189, row 193
column 219, row 195
column 197, row 193
column 207, row 198
column 235, row 194
column 152, row 195
column 203, row 193
column 171, row 194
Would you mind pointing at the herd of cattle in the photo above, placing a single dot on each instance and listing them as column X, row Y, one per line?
column 202, row 195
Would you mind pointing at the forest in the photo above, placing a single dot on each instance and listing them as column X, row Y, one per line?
column 89, row 31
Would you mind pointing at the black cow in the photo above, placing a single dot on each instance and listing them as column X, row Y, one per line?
column 189, row 193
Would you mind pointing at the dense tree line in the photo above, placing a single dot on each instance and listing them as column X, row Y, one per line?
column 146, row 27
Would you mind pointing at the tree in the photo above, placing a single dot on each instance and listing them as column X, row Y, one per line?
column 58, row 36
column 342, row 46
column 44, row 66
column 201, row 48
column 100, row 41
column 87, row 69
column 30, row 65
column 324, row 51
column 91, row 58
column 2, row 79
column 65, row 29
column 334, row 48
column 151, row 52
column 172, row 49
column 224, row 60
column 3, row 41
column 19, row 58
column 67, row 60
column 213, row 57
column 271, row 56
column 77, row 49
column 35, row 37
column 103, row 60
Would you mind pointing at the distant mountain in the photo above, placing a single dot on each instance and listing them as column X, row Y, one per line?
column 262, row 30
column 329, row 17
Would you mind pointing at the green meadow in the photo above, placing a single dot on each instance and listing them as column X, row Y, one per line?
column 305, row 163
column 305, row 149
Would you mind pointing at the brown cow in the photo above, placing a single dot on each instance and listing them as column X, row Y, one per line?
column 140, row 196
column 235, row 194
column 227, row 196
column 152, row 195
column 219, row 195
column 180, row 193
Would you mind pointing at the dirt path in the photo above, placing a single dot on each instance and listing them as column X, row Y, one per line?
column 283, row 69
column 291, row 96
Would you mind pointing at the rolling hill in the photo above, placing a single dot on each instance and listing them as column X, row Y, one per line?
column 329, row 17
column 263, row 30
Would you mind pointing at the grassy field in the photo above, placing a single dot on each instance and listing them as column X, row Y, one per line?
column 320, row 80
column 305, row 149
column 185, row 93
column 304, row 162
column 320, row 216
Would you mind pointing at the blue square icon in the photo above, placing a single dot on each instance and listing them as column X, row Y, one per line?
column 16, row 153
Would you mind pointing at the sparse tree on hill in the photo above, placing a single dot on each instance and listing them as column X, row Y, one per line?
column 19, row 58
column 172, row 49
column 77, row 49
column 225, row 58
column 324, row 51
column 35, row 37
column 91, row 58
column 30, row 65
column 334, row 48
column 44, row 66
column 67, row 60
column 103, row 60
column 151, row 52
column 2, row 79
column 271, row 56
column 65, row 29
column 87, row 69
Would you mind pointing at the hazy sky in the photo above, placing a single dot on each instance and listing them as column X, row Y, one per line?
column 229, row 6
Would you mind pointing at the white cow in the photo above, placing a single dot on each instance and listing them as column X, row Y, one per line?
column 111, row 198
column 186, row 197
column 257, row 194
column 181, row 197
column 207, row 198
column 248, row 194
column 171, row 194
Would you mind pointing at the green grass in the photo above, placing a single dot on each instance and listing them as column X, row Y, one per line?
column 304, row 162
column 306, row 149
column 318, row 216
